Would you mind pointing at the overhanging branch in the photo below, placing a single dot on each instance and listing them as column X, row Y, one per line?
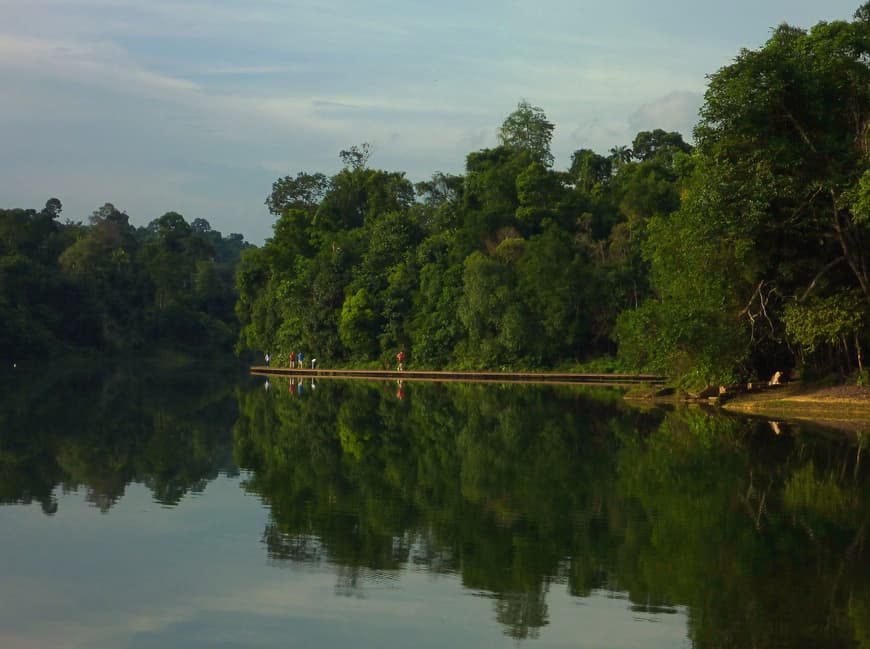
column 824, row 270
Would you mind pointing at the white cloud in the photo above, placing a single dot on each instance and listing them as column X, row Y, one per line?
column 94, row 63
column 224, row 90
column 676, row 111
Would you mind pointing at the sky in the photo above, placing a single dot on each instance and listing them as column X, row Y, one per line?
column 197, row 106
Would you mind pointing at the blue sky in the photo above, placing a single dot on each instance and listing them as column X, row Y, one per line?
column 197, row 106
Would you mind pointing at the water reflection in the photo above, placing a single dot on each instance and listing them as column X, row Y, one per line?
column 101, row 431
column 757, row 534
column 516, row 489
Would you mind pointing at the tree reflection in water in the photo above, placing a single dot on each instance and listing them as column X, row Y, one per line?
column 760, row 537
column 101, row 431
column 519, row 488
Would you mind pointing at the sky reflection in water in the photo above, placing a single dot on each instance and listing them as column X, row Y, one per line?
column 194, row 576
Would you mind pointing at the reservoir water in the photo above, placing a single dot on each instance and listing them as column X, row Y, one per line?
column 200, row 509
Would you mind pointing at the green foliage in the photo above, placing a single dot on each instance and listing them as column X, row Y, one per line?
column 745, row 254
column 825, row 320
column 109, row 287
column 491, row 311
column 691, row 328
column 658, row 144
column 510, row 265
column 356, row 325
column 528, row 129
column 769, row 244
column 589, row 169
column 304, row 192
column 713, row 263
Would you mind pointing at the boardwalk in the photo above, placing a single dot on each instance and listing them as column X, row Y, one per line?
column 448, row 376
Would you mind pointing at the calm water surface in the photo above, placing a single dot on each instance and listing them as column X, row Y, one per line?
column 200, row 510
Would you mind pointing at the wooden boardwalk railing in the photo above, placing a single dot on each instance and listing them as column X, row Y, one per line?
column 463, row 377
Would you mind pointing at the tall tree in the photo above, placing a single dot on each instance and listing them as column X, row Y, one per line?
column 620, row 156
column 529, row 129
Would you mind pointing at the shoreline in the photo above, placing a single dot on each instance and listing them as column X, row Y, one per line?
column 843, row 407
column 846, row 407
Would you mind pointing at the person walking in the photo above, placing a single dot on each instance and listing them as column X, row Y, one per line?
column 400, row 358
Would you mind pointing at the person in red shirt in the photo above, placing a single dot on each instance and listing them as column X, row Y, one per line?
column 400, row 357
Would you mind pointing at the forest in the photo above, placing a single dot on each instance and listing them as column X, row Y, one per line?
column 725, row 257
column 109, row 287
column 740, row 254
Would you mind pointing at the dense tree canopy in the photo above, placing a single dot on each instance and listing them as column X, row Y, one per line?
column 512, row 264
column 764, row 265
column 107, row 286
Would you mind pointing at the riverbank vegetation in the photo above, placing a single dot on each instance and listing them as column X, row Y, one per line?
column 106, row 286
column 729, row 260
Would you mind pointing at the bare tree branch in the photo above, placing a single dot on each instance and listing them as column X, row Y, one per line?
column 824, row 270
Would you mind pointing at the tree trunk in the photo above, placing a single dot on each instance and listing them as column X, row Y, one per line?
column 852, row 249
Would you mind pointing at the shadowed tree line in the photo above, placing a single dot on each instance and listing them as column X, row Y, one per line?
column 108, row 286
column 741, row 256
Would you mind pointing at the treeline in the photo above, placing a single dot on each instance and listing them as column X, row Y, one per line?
column 108, row 286
column 742, row 256
column 512, row 264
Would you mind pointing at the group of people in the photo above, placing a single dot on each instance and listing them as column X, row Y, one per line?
column 296, row 360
